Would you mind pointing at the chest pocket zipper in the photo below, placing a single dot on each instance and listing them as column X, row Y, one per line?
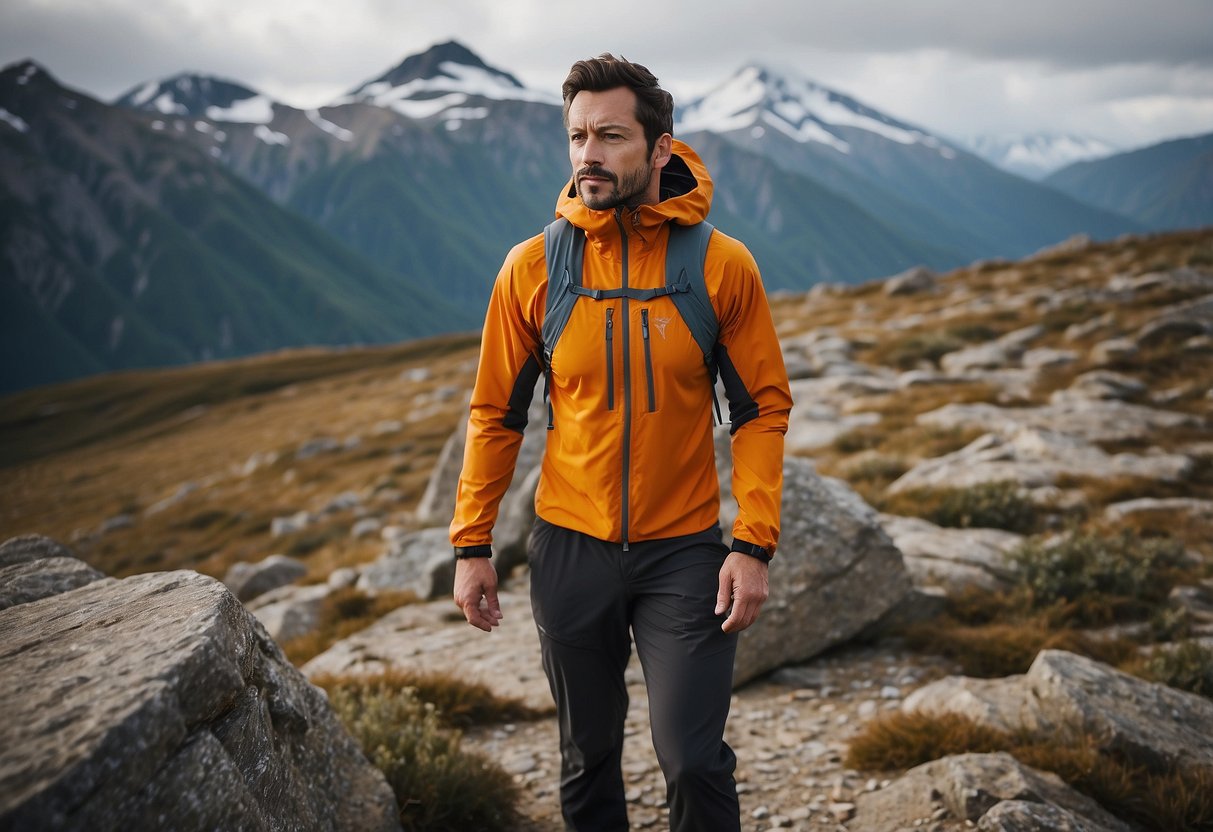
column 648, row 358
column 610, row 357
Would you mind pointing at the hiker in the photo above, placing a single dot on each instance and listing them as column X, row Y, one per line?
column 628, row 306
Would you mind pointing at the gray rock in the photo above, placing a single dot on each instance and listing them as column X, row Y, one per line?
column 184, row 490
column 911, row 282
column 1188, row 507
column 290, row 612
column 835, row 573
column 366, row 527
column 31, row 580
column 1092, row 420
column 517, row 509
column 248, row 580
column 31, row 547
column 421, row 562
column 952, row 558
column 131, row 702
column 1113, row 350
column 969, row 786
column 1048, row 357
column 1035, row 458
column 1151, row 724
column 317, row 446
column 1100, row 384
column 118, row 521
column 342, row 502
column 290, row 524
column 1029, row 816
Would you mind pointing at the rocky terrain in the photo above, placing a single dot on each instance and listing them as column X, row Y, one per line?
column 1081, row 376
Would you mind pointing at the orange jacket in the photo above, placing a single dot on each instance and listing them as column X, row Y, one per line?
column 619, row 466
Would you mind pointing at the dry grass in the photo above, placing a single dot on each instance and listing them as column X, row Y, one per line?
column 117, row 444
column 995, row 505
column 459, row 703
column 438, row 785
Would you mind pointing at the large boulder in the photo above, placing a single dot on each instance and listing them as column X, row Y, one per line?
column 248, row 580
column 33, row 567
column 836, row 572
column 977, row 788
column 1036, row 459
column 420, row 562
column 1091, row 419
column 517, row 509
column 157, row 701
column 952, row 558
column 1151, row 724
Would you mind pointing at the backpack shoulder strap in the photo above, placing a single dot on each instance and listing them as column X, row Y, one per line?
column 563, row 249
column 685, row 256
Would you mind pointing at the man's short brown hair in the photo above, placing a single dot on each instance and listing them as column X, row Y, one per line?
column 654, row 106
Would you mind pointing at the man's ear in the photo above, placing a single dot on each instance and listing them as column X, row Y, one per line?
column 662, row 151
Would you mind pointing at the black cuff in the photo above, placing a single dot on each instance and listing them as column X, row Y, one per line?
column 751, row 549
column 482, row 551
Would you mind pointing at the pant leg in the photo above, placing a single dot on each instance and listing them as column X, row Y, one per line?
column 580, row 608
column 688, row 668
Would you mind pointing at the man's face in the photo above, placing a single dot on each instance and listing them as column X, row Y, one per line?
column 611, row 161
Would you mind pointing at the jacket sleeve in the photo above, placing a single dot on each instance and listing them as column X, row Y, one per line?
column 505, row 382
column 756, row 384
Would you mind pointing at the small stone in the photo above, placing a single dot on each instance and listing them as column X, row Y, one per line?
column 890, row 692
column 841, row 811
column 761, row 813
column 867, row 709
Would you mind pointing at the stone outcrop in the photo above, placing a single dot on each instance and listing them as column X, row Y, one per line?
column 420, row 562
column 158, row 700
column 995, row 791
column 1151, row 724
column 952, row 558
column 1094, row 420
column 34, row 567
column 248, row 580
column 1035, row 459
column 835, row 574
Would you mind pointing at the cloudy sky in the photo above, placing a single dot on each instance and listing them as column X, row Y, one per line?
column 1128, row 71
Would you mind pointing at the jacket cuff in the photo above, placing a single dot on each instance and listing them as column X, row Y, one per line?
column 751, row 549
column 484, row 550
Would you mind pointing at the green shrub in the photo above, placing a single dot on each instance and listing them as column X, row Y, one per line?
column 1188, row 665
column 995, row 505
column 1080, row 567
column 438, row 785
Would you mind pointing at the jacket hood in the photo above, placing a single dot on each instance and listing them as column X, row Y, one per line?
column 686, row 198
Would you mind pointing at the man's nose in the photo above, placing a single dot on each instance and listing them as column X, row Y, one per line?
column 591, row 152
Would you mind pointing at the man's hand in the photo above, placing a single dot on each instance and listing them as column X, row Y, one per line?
column 476, row 592
column 743, row 582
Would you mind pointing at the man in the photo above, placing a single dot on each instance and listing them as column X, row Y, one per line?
column 627, row 535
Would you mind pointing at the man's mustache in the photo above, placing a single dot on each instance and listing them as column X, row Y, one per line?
column 597, row 173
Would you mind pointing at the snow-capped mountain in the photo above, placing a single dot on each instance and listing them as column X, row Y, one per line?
column 447, row 82
column 1036, row 155
column 758, row 97
column 200, row 96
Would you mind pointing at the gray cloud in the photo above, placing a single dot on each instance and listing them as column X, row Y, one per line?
column 1130, row 70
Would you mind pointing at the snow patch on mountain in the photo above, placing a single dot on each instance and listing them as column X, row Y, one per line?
column 452, row 87
column 255, row 110
column 14, row 121
column 1036, row 155
column 798, row 108
column 335, row 130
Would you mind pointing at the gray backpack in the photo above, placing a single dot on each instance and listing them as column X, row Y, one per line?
column 564, row 249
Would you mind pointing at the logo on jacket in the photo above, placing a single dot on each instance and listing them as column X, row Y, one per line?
column 660, row 323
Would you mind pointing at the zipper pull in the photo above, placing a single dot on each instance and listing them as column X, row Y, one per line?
column 610, row 326
column 644, row 323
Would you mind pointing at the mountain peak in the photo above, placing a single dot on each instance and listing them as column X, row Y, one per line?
column 441, row 82
column 761, row 96
column 1036, row 155
column 193, row 95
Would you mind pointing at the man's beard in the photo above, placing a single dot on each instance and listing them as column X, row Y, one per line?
column 626, row 191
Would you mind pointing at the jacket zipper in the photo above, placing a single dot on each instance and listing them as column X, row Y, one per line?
column 627, row 383
column 610, row 357
column 648, row 357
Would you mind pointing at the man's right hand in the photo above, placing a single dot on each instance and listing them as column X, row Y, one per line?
column 476, row 592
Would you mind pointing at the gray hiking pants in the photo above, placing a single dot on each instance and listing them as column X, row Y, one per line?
column 586, row 595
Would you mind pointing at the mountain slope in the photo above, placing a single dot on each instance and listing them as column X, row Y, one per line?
column 124, row 247
column 1167, row 185
column 892, row 170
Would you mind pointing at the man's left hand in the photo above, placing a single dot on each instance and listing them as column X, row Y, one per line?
column 743, row 582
